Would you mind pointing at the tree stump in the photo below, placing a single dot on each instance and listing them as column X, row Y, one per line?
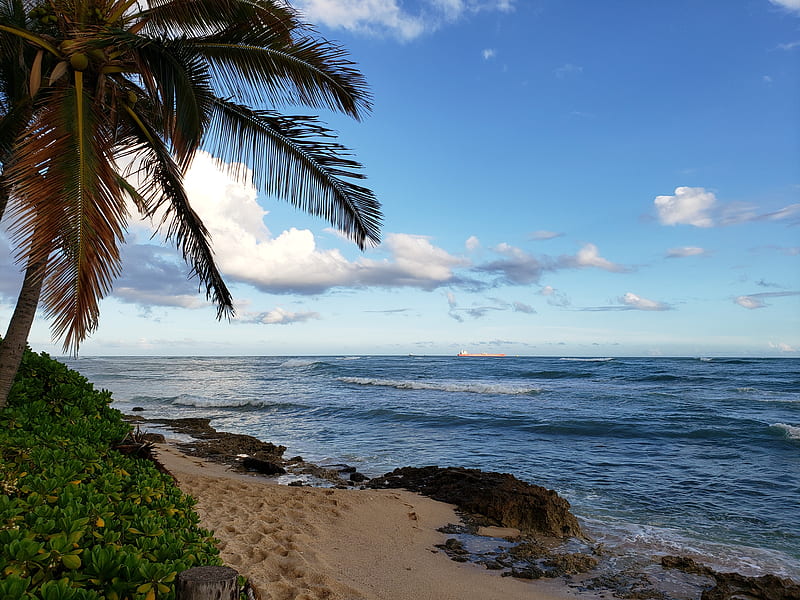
column 208, row 583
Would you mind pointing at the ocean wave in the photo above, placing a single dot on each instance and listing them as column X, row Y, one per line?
column 588, row 359
column 445, row 386
column 206, row 402
column 791, row 431
column 299, row 362
column 557, row 375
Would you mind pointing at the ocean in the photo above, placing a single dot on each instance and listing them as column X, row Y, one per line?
column 699, row 457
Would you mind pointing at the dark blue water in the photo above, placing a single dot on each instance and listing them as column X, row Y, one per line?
column 656, row 455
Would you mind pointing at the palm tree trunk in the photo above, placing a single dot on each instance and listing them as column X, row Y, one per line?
column 13, row 345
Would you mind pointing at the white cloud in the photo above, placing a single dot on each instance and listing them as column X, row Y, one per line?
column 689, row 206
column 277, row 316
column 488, row 53
column 752, row 301
column 246, row 251
column 638, row 303
column 699, row 207
column 472, row 243
column 630, row 301
column 789, row 45
column 589, row 256
column 389, row 17
column 749, row 302
column 686, row 251
column 544, row 235
column 783, row 347
column 554, row 296
column 788, row 4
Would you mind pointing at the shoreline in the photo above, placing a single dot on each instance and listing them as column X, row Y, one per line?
column 338, row 544
column 343, row 541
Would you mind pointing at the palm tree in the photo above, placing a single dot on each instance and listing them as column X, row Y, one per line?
column 88, row 86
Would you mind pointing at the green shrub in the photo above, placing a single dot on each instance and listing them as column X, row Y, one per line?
column 79, row 520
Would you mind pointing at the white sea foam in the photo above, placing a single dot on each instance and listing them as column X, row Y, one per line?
column 637, row 539
column 205, row 402
column 298, row 362
column 446, row 386
column 792, row 431
column 588, row 359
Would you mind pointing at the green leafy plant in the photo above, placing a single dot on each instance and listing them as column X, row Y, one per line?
column 78, row 519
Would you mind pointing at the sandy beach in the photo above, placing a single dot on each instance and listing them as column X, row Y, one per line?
column 306, row 543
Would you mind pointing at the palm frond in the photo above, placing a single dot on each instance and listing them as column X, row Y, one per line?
column 294, row 159
column 181, row 81
column 202, row 17
column 68, row 211
column 161, row 190
column 307, row 71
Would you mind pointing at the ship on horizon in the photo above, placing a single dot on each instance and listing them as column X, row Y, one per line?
column 465, row 354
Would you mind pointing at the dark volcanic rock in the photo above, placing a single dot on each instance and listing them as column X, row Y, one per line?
column 264, row 467
column 734, row 585
column 499, row 496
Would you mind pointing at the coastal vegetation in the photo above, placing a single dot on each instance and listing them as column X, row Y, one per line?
column 103, row 106
column 79, row 520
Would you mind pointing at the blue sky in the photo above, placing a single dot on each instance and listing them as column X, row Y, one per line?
column 558, row 177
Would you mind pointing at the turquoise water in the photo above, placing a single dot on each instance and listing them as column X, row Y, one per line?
column 656, row 455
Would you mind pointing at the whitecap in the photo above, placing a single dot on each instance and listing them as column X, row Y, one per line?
column 205, row 402
column 588, row 359
column 298, row 362
column 445, row 386
column 792, row 431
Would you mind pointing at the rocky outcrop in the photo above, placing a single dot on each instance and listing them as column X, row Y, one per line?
column 501, row 497
column 733, row 585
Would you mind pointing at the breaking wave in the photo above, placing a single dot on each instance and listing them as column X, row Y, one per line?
column 446, row 386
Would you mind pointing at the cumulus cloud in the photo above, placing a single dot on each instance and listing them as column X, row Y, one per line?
column 472, row 243
column 699, row 207
column 685, row 251
column 488, row 53
column 289, row 263
column 589, row 256
column 752, row 301
column 689, row 206
column 517, row 267
column 390, row 17
column 277, row 316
